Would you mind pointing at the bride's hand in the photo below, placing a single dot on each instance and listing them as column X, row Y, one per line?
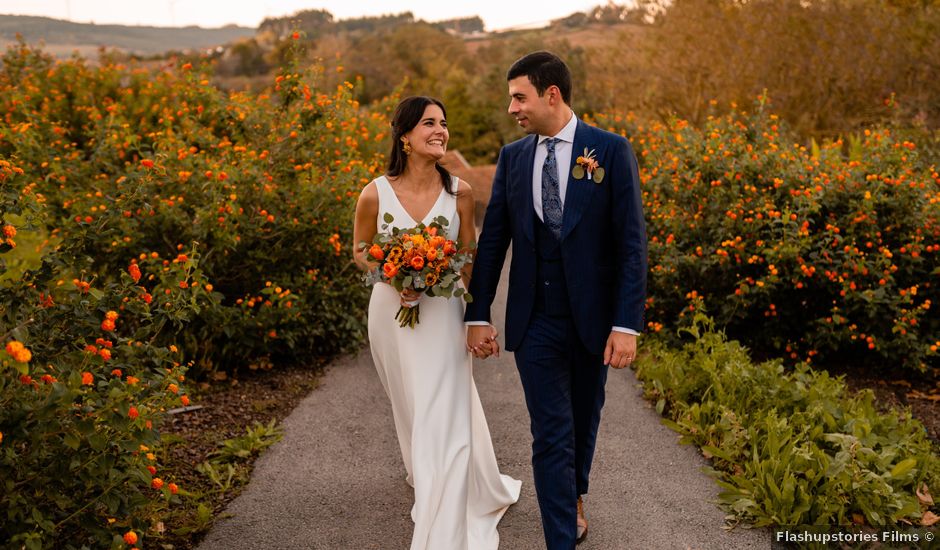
column 409, row 295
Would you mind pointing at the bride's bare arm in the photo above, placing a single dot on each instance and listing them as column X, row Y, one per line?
column 468, row 231
column 364, row 226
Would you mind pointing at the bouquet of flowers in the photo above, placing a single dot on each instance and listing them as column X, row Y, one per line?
column 419, row 258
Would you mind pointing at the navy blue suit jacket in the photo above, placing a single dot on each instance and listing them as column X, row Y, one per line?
column 603, row 242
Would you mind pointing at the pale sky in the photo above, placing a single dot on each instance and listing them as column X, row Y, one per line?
column 496, row 14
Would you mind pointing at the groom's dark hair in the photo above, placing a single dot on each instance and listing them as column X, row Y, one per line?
column 544, row 69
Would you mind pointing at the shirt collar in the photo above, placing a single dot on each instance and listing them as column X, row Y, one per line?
column 566, row 133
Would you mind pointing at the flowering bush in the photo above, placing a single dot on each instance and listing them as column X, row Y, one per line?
column 262, row 187
column 83, row 387
column 809, row 252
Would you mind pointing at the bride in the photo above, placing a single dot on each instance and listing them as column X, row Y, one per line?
column 460, row 495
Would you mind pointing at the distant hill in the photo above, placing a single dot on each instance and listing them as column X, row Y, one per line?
column 63, row 37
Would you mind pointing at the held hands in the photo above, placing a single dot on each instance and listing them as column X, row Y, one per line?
column 481, row 341
column 620, row 350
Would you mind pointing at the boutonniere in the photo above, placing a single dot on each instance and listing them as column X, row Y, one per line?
column 586, row 165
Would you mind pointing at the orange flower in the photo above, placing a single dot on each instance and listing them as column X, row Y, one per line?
column 146, row 163
column 431, row 279
column 450, row 248
column 87, row 379
column 295, row 35
column 173, row 488
column 131, row 380
column 157, row 483
column 185, row 400
column 437, row 241
column 390, row 270
column 133, row 413
column 432, row 254
column 417, row 262
column 134, row 270
column 9, row 231
column 376, row 252
column 105, row 354
column 130, row 537
column 174, row 388
column 146, row 297
column 117, row 372
column 112, row 315
column 18, row 351
column 107, row 325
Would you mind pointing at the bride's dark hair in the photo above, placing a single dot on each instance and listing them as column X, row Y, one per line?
column 407, row 115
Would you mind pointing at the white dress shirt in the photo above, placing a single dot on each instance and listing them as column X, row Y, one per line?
column 563, row 152
column 563, row 148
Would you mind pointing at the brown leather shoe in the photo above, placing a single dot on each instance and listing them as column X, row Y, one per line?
column 582, row 523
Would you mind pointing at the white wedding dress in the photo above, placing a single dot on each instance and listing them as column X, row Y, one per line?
column 460, row 495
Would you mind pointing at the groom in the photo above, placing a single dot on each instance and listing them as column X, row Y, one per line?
column 577, row 280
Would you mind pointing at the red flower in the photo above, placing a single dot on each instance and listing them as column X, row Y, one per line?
column 132, row 413
column 146, row 163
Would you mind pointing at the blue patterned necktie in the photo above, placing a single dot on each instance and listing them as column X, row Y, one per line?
column 551, row 195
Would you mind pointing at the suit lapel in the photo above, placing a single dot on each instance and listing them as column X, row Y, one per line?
column 525, row 184
column 578, row 194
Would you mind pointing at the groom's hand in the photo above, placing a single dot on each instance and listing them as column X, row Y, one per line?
column 621, row 349
column 481, row 341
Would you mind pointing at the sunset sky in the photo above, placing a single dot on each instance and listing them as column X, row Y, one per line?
column 249, row 13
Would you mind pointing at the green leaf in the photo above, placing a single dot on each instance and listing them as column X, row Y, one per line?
column 388, row 218
column 902, row 468
column 72, row 441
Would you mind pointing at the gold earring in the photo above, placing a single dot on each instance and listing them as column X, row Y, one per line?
column 406, row 147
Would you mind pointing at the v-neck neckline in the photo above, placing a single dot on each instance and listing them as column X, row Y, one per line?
column 405, row 210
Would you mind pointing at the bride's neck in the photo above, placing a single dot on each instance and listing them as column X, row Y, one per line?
column 420, row 175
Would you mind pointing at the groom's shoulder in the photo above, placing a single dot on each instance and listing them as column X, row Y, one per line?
column 517, row 145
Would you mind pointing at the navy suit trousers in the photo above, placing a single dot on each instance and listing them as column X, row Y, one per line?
column 564, row 392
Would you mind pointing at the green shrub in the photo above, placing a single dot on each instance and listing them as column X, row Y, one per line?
column 261, row 186
column 828, row 252
column 86, row 374
column 788, row 446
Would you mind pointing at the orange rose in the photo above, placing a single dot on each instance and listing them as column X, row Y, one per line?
column 437, row 241
column 450, row 248
column 417, row 262
column 376, row 252
column 432, row 254
column 390, row 270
